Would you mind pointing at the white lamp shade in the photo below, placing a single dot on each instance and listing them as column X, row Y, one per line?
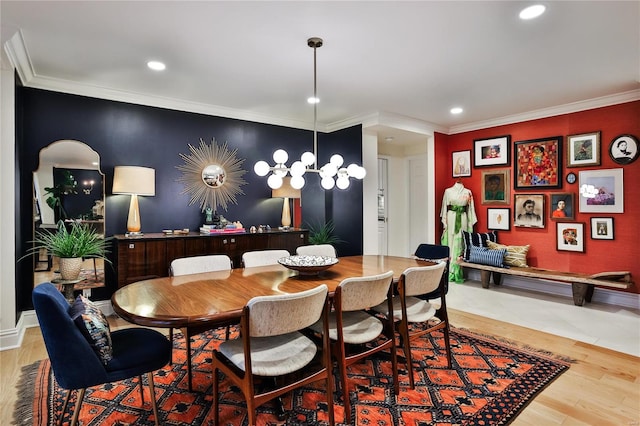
column 134, row 180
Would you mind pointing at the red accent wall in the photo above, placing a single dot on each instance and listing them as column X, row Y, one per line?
column 623, row 253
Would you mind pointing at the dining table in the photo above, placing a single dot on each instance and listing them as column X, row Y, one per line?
column 217, row 298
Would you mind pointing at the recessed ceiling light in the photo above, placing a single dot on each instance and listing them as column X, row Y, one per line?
column 532, row 11
column 313, row 100
column 156, row 65
column 456, row 110
column 389, row 139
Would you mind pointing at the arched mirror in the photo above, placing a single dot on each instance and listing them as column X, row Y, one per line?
column 67, row 186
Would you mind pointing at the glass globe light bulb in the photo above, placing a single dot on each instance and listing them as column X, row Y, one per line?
column 274, row 181
column 329, row 169
column 280, row 156
column 327, row 183
column 361, row 173
column 308, row 159
column 280, row 170
column 336, row 160
column 297, row 182
column 297, row 168
column 261, row 168
column 352, row 170
column 342, row 182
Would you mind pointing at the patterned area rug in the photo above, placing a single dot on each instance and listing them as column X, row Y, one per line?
column 490, row 383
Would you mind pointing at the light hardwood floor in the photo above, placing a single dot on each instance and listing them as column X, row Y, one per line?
column 602, row 387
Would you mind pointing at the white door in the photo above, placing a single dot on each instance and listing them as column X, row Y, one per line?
column 383, row 211
column 418, row 202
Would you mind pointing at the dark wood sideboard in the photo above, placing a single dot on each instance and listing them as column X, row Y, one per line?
column 150, row 255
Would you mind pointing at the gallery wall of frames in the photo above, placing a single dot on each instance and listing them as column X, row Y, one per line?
column 567, row 185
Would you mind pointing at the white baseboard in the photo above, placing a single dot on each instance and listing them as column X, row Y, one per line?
column 12, row 338
column 600, row 295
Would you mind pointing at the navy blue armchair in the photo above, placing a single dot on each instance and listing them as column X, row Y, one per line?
column 75, row 364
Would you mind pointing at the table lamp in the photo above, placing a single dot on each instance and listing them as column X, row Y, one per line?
column 135, row 181
column 286, row 191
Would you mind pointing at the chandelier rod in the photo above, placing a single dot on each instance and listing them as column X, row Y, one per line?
column 315, row 42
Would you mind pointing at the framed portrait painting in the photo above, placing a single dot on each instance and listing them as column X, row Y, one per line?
column 561, row 206
column 461, row 163
column 528, row 210
column 492, row 152
column 538, row 163
column 499, row 219
column 602, row 228
column 601, row 191
column 570, row 236
column 496, row 187
column 624, row 149
column 583, row 150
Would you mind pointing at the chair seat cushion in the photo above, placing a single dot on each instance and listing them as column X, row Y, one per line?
column 272, row 356
column 94, row 327
column 358, row 327
column 137, row 351
column 418, row 310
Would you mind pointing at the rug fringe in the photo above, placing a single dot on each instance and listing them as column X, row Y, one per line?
column 23, row 412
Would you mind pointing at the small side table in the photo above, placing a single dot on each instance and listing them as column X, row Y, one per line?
column 67, row 287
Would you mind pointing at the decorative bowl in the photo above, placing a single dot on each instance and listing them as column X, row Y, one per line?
column 308, row 265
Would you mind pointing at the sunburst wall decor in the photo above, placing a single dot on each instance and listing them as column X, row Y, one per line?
column 212, row 175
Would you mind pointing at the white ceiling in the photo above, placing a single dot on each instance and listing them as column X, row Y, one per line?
column 387, row 64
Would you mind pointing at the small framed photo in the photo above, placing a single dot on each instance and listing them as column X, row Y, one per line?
column 602, row 228
column 461, row 161
column 583, row 150
column 499, row 219
column 538, row 163
column 492, row 152
column 528, row 210
column 496, row 187
column 624, row 149
column 570, row 236
column 561, row 206
column 601, row 191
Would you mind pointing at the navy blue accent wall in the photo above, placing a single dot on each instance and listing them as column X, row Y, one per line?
column 129, row 134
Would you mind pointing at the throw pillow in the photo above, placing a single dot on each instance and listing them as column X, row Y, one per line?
column 485, row 256
column 477, row 239
column 94, row 326
column 515, row 256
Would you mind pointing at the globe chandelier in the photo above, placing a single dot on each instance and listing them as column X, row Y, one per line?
column 333, row 174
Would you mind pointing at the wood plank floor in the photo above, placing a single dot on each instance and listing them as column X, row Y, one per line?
column 602, row 387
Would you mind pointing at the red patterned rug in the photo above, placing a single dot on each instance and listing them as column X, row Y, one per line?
column 490, row 383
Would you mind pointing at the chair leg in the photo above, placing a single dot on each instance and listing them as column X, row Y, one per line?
column 403, row 328
column 64, row 405
column 447, row 344
column 188, row 338
column 76, row 412
column 171, row 342
column 152, row 390
column 141, row 390
column 215, row 396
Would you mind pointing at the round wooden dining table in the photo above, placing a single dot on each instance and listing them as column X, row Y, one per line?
column 214, row 298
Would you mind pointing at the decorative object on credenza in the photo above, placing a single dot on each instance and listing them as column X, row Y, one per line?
column 308, row 265
column 538, row 163
column 286, row 191
column 134, row 180
column 570, row 236
column 309, row 160
column 492, row 152
column 601, row 191
column 583, row 150
column 602, row 228
column 212, row 175
column 624, row 149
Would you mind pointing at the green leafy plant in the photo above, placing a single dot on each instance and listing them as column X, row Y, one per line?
column 80, row 241
column 322, row 233
column 66, row 187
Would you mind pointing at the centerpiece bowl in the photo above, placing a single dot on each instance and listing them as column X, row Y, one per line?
column 307, row 264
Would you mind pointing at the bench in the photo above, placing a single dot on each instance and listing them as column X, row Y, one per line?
column 582, row 285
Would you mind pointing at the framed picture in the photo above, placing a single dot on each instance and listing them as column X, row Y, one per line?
column 570, row 236
column 583, row 150
column 561, row 206
column 602, row 228
column 496, row 187
column 461, row 161
column 538, row 163
column 624, row 149
column 528, row 210
column 499, row 219
column 492, row 152
column 601, row 191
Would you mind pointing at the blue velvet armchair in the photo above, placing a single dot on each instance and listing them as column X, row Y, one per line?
column 75, row 364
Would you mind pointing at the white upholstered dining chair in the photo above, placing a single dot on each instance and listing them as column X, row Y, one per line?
column 263, row 257
column 317, row 250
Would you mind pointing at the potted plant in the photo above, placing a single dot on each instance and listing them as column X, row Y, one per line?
column 55, row 194
column 322, row 233
column 71, row 246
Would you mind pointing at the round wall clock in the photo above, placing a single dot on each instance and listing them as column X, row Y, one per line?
column 624, row 149
column 571, row 178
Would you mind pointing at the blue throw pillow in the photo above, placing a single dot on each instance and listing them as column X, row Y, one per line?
column 94, row 326
column 485, row 256
column 476, row 239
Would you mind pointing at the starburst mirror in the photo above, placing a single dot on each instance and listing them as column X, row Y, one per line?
column 212, row 175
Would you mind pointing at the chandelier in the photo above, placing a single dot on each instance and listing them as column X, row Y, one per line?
column 333, row 174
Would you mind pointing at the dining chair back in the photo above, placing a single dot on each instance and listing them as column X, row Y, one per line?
column 350, row 326
column 263, row 257
column 435, row 253
column 197, row 265
column 317, row 250
column 272, row 346
column 75, row 363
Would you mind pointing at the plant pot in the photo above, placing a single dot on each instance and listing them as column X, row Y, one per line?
column 70, row 267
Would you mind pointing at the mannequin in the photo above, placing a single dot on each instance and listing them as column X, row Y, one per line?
column 458, row 214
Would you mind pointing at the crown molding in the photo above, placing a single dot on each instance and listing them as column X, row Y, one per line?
column 17, row 53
